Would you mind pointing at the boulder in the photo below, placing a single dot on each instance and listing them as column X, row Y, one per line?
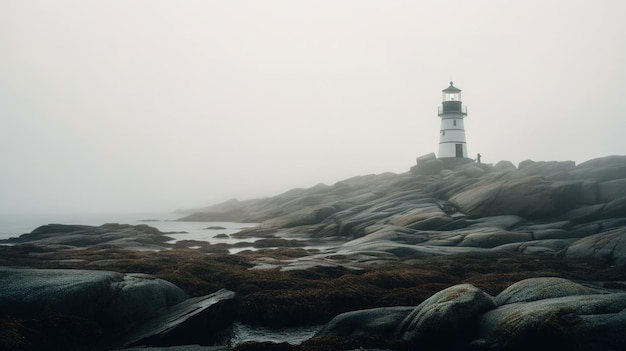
column 540, row 314
column 609, row 246
column 380, row 321
column 533, row 289
column 568, row 322
column 113, row 299
column 505, row 166
column 203, row 320
column 427, row 167
column 601, row 169
column 446, row 316
column 135, row 237
column 131, row 309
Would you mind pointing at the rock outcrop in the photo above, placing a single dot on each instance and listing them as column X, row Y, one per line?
column 118, row 300
column 131, row 237
column 540, row 313
column 128, row 309
column 541, row 208
column 203, row 320
column 446, row 315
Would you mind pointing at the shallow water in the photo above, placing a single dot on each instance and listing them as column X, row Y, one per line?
column 244, row 332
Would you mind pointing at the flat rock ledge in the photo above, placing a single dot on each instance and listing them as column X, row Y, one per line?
column 538, row 313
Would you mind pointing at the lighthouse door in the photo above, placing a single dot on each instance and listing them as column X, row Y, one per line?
column 459, row 150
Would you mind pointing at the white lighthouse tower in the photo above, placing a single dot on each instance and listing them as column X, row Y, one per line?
column 452, row 135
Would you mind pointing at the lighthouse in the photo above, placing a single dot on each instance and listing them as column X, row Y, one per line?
column 452, row 135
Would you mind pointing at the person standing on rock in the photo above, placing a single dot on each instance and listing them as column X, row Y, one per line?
column 478, row 157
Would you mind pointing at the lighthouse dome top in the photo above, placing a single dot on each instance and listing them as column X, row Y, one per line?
column 451, row 89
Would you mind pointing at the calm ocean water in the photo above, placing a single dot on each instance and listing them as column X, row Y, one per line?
column 18, row 224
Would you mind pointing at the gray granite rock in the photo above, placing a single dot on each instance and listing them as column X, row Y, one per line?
column 542, row 288
column 540, row 313
column 529, row 197
column 114, row 299
column 505, row 166
column 203, row 320
column 133, row 237
column 445, row 315
column 555, row 323
column 381, row 321
column 607, row 246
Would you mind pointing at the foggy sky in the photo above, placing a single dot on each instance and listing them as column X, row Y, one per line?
column 158, row 105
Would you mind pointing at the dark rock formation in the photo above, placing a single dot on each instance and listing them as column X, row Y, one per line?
column 381, row 321
column 541, row 313
column 132, row 237
column 203, row 320
column 543, row 288
column 446, row 315
column 128, row 309
column 115, row 299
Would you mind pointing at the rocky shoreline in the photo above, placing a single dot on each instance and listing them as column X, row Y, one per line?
column 464, row 257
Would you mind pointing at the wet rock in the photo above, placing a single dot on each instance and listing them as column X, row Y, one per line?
column 607, row 246
column 130, row 309
column 134, row 237
column 555, row 323
column 542, row 288
column 381, row 321
column 113, row 299
column 203, row 320
column 445, row 316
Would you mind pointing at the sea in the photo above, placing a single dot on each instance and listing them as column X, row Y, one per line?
column 14, row 225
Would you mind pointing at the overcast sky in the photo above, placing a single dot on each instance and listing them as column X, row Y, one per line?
column 158, row 105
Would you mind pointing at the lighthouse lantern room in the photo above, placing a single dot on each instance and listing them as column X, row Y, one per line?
column 452, row 135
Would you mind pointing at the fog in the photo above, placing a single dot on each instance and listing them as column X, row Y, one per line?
column 159, row 105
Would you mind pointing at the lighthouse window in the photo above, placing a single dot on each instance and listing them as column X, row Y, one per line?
column 454, row 122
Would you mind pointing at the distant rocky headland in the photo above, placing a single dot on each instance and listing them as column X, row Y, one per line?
column 452, row 255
